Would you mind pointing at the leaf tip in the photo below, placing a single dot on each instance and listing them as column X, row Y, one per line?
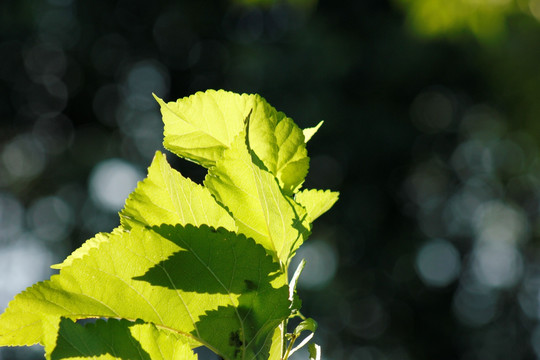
column 309, row 132
column 159, row 100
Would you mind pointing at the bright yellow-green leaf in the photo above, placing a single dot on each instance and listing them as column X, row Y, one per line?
column 279, row 143
column 189, row 280
column 276, row 352
column 316, row 202
column 200, row 127
column 166, row 197
column 85, row 248
column 256, row 201
column 309, row 132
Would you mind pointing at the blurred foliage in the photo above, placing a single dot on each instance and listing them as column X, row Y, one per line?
column 485, row 19
column 438, row 17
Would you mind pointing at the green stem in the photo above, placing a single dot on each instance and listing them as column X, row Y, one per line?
column 289, row 348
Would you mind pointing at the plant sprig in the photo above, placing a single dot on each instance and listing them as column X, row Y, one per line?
column 190, row 265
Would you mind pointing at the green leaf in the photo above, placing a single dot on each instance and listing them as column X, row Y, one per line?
column 83, row 250
column 200, row 127
column 309, row 132
column 306, row 325
column 86, row 247
column 316, row 202
column 314, row 352
column 116, row 339
column 166, row 197
column 256, row 202
column 188, row 280
column 279, row 143
column 278, row 343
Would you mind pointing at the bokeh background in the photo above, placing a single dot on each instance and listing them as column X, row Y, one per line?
column 431, row 134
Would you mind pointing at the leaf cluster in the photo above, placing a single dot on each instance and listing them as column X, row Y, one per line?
column 190, row 265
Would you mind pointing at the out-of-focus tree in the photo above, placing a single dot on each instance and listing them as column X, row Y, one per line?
column 486, row 19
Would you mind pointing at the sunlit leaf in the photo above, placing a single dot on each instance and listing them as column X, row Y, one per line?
column 166, row 197
column 309, row 132
column 256, row 202
column 84, row 249
column 276, row 351
column 186, row 279
column 201, row 126
column 316, row 202
column 279, row 143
